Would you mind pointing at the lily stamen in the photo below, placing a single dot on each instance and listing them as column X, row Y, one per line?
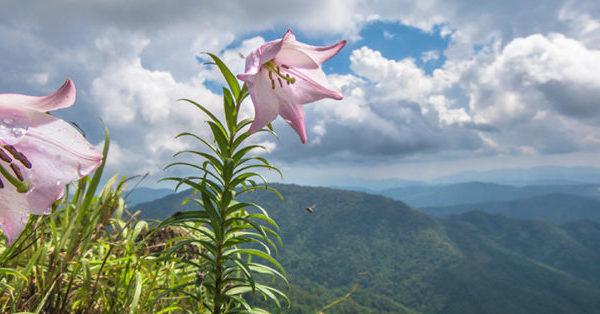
column 19, row 183
column 4, row 156
column 273, row 67
column 17, row 172
column 17, row 155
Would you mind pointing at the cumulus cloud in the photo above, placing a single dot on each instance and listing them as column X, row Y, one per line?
column 430, row 55
column 543, row 86
column 535, row 95
column 511, row 68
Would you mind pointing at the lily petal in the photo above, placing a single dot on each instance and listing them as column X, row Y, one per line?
column 64, row 97
column 294, row 116
column 317, row 53
column 14, row 213
column 311, row 85
column 266, row 107
column 297, row 54
column 59, row 154
column 261, row 55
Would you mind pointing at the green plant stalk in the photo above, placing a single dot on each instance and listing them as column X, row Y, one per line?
column 223, row 226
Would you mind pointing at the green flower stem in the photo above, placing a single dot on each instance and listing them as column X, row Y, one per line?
column 22, row 187
column 227, row 231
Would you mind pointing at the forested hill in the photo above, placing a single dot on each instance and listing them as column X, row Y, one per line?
column 406, row 261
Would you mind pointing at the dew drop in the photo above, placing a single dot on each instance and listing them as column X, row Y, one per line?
column 47, row 211
column 58, row 182
column 13, row 126
column 24, row 219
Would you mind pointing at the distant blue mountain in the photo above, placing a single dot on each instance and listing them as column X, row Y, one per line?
column 527, row 176
column 545, row 175
column 555, row 207
column 142, row 195
column 480, row 192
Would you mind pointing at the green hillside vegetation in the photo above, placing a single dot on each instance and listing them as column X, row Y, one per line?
column 405, row 261
column 555, row 207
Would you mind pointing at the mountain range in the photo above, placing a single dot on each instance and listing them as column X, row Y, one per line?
column 405, row 261
column 477, row 192
column 543, row 177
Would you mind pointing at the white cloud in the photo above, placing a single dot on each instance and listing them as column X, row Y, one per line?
column 388, row 35
column 141, row 107
column 547, row 72
column 430, row 55
column 39, row 78
column 269, row 146
column 508, row 72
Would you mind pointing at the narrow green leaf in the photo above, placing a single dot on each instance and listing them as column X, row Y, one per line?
column 231, row 80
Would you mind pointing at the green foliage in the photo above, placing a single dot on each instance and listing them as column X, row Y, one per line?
column 87, row 257
column 555, row 207
column 405, row 261
column 235, row 240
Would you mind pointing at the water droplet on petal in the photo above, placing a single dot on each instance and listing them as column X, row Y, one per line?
column 47, row 211
column 58, row 182
column 13, row 126
column 24, row 219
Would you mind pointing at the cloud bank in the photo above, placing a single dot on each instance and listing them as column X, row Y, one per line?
column 518, row 78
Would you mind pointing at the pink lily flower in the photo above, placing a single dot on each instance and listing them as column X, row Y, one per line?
column 283, row 75
column 39, row 155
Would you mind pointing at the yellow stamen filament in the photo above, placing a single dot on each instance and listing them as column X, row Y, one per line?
column 273, row 67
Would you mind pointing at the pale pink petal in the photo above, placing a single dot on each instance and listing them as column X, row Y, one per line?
column 261, row 55
column 14, row 125
column 248, row 78
column 14, row 212
column 297, row 54
column 59, row 154
column 293, row 57
column 294, row 115
column 62, row 98
column 266, row 106
column 318, row 54
column 316, row 78
column 288, row 36
column 310, row 86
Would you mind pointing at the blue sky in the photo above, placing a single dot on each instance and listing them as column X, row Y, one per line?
column 431, row 88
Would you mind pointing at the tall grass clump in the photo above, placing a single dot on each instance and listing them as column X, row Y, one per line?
column 88, row 256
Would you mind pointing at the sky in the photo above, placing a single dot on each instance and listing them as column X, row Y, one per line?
column 430, row 87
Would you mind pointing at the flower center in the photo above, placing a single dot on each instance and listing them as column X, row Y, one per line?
column 5, row 152
column 273, row 67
